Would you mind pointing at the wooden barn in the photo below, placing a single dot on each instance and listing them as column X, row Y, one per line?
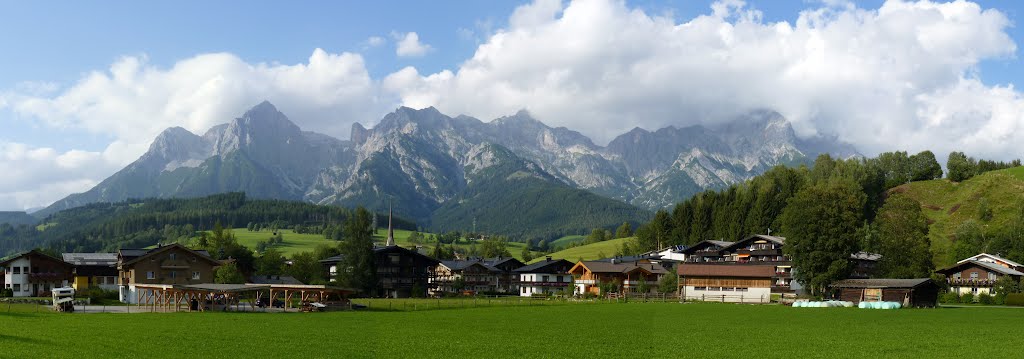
column 920, row 292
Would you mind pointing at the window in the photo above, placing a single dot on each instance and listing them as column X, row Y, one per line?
column 17, row 270
column 544, row 278
column 395, row 258
column 728, row 289
column 991, row 276
column 974, row 275
column 700, row 288
column 974, row 290
column 956, row 275
column 195, row 275
column 150, row 275
column 524, row 290
column 741, row 289
column 174, row 275
column 172, row 256
column 559, row 279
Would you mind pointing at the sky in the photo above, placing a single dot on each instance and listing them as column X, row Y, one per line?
column 86, row 86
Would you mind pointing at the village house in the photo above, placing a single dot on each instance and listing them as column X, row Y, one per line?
column 674, row 253
column 548, row 276
column 34, row 274
column 93, row 270
column 626, row 276
column 166, row 264
column 978, row 274
column 459, row 276
column 507, row 278
column 705, row 251
column 401, row 272
column 741, row 283
column 920, row 292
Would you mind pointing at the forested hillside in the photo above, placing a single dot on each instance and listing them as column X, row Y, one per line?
column 141, row 223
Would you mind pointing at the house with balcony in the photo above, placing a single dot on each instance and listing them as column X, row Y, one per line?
column 460, row 276
column 507, row 279
column 626, row 276
column 705, row 251
column 727, row 282
column 93, row 270
column 166, row 264
column 978, row 274
column 545, row 277
column 34, row 274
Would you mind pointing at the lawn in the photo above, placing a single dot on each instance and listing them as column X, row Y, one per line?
column 590, row 251
column 631, row 330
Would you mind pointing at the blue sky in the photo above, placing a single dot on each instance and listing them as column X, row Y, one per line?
column 49, row 49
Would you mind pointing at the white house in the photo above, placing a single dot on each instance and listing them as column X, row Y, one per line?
column 34, row 274
column 549, row 276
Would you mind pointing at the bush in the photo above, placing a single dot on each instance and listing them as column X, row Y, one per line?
column 999, row 299
column 985, row 298
column 967, row 298
column 6, row 293
column 1016, row 299
column 949, row 298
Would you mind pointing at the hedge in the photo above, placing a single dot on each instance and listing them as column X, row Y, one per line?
column 1015, row 299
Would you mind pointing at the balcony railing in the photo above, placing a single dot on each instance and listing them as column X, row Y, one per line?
column 972, row 282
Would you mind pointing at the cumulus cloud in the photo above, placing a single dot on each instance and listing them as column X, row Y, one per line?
column 38, row 176
column 409, row 45
column 902, row 76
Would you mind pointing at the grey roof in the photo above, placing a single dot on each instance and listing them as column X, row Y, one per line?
column 720, row 243
column 273, row 279
column 540, row 266
column 995, row 267
column 994, row 257
column 881, row 283
column 91, row 259
column 458, row 265
column 334, row 259
column 129, row 252
column 866, row 256
column 494, row 262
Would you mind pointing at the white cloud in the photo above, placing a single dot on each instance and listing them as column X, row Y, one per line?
column 36, row 177
column 409, row 45
column 898, row 77
column 375, row 41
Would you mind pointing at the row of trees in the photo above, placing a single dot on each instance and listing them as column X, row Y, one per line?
column 962, row 167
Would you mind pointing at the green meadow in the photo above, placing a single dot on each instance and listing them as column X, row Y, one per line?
column 623, row 330
column 591, row 251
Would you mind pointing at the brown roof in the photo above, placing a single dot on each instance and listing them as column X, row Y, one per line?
column 620, row 267
column 881, row 283
column 725, row 270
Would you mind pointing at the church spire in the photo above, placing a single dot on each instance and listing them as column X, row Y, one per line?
column 391, row 231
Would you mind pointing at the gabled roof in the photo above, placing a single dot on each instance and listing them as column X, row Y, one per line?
column 458, row 265
column 619, row 267
column 32, row 252
column 979, row 257
column 706, row 243
column 543, row 266
column 866, row 256
column 774, row 239
column 881, row 283
column 128, row 260
column 400, row 249
column 498, row 261
column 987, row 265
column 91, row 259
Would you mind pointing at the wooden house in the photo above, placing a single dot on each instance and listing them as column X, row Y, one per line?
column 921, row 292
column 34, row 274
column 978, row 274
column 172, row 264
column 507, row 279
column 742, row 283
column 705, row 251
column 627, row 276
column 454, row 277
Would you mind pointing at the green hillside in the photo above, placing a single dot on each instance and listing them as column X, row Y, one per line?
column 589, row 252
column 567, row 240
column 947, row 205
column 297, row 243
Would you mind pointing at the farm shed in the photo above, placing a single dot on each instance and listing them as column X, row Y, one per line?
column 920, row 292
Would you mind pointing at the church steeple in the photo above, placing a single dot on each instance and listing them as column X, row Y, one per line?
column 391, row 231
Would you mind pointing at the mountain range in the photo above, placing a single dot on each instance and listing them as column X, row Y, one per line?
column 451, row 172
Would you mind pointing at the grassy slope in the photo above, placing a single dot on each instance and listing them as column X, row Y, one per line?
column 496, row 332
column 589, row 251
column 296, row 243
column 565, row 241
column 948, row 204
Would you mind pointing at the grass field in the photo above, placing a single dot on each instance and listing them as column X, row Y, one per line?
column 947, row 204
column 589, row 251
column 633, row 330
column 566, row 241
column 296, row 243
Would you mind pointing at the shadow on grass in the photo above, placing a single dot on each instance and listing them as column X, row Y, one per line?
column 24, row 340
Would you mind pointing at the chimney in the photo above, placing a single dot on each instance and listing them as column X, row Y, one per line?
column 614, row 260
column 548, row 258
